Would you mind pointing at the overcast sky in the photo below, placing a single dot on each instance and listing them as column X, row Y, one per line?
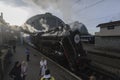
column 89, row 12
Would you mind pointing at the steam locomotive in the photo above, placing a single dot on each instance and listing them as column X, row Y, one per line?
column 65, row 46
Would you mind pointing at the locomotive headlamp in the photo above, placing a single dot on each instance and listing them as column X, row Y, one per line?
column 76, row 38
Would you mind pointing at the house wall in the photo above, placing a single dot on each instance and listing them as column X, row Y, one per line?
column 112, row 43
column 104, row 31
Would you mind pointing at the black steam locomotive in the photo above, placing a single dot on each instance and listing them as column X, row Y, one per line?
column 65, row 47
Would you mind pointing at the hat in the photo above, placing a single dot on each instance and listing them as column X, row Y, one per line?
column 47, row 74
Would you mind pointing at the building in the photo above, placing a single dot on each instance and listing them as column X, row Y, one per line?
column 109, row 36
column 1, row 17
column 107, row 47
column 1, row 24
column 7, row 32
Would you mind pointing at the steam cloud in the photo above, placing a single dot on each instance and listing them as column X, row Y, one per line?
column 17, row 3
column 64, row 6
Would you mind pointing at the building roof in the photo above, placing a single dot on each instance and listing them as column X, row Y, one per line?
column 115, row 23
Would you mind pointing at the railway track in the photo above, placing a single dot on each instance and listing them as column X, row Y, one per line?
column 99, row 73
column 82, row 74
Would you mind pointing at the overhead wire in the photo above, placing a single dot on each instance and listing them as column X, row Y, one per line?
column 98, row 2
column 109, row 16
column 89, row 6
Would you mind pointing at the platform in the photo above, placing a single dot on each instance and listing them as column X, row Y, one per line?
column 57, row 71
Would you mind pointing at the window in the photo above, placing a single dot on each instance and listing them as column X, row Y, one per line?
column 110, row 27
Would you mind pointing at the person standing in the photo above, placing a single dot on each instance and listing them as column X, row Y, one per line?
column 27, row 51
column 15, row 73
column 47, row 76
column 9, row 55
column 14, row 48
column 92, row 76
column 43, row 66
column 24, row 67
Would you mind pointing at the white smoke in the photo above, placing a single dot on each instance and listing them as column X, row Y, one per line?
column 18, row 3
column 61, row 8
column 44, row 24
column 64, row 6
column 29, row 28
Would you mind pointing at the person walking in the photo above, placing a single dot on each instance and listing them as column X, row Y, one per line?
column 24, row 67
column 9, row 55
column 47, row 76
column 15, row 73
column 14, row 48
column 43, row 66
column 27, row 51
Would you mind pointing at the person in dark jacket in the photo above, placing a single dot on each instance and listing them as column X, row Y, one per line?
column 14, row 48
column 15, row 73
column 47, row 76
column 27, row 51
column 9, row 55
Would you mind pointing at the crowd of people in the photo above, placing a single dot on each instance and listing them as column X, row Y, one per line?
column 19, row 70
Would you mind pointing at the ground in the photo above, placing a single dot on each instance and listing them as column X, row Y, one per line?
column 33, row 65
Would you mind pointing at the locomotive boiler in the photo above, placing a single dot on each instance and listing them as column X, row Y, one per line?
column 64, row 46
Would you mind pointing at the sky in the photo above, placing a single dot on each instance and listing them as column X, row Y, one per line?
column 89, row 12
